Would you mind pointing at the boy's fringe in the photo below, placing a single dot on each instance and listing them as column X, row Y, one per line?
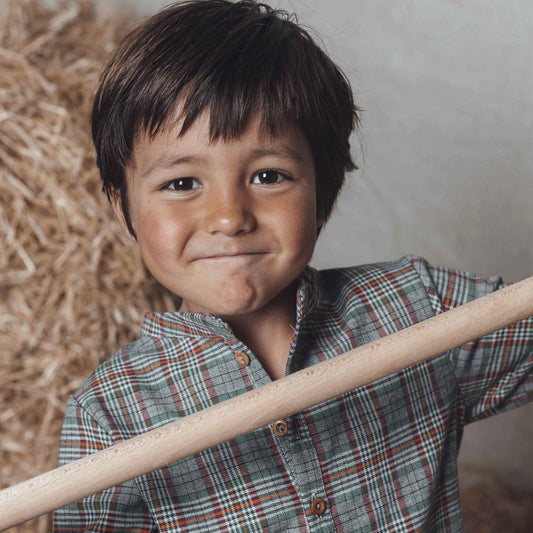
column 73, row 289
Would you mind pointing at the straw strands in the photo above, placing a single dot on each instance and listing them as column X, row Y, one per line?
column 72, row 286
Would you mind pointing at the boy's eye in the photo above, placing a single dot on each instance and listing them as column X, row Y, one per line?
column 268, row 177
column 183, row 184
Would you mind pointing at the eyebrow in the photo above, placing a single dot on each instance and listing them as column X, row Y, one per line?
column 167, row 161
column 284, row 151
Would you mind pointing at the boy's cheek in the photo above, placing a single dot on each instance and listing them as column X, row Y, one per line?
column 158, row 246
column 161, row 223
column 301, row 219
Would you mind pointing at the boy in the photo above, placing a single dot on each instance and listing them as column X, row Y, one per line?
column 222, row 136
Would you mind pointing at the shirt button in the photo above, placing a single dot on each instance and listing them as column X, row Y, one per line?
column 242, row 358
column 280, row 428
column 318, row 506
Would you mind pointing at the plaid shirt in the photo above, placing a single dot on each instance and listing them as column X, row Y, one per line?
column 382, row 458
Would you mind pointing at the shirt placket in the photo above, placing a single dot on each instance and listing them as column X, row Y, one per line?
column 298, row 452
column 296, row 449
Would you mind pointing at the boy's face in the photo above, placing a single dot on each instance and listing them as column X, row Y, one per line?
column 227, row 226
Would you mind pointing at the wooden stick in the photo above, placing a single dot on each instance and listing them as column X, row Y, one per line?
column 262, row 406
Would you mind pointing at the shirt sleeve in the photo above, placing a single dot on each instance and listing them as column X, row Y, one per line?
column 494, row 373
column 118, row 509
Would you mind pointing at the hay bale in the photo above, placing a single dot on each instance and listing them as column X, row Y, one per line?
column 72, row 286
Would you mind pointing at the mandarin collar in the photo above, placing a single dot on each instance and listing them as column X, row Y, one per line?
column 177, row 324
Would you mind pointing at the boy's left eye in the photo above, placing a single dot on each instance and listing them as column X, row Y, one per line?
column 183, row 184
column 268, row 177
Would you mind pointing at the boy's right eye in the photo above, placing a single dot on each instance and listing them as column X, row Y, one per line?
column 182, row 184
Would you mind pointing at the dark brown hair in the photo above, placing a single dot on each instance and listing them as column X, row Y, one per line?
column 231, row 59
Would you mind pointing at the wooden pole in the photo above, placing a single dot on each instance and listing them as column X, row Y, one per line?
column 262, row 406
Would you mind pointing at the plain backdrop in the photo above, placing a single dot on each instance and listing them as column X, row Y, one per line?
column 445, row 153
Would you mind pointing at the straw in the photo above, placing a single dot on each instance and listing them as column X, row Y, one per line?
column 72, row 286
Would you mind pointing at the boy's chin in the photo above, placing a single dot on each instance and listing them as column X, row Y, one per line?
column 241, row 295
column 225, row 305
column 239, row 304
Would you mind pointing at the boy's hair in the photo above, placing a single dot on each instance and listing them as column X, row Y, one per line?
column 230, row 59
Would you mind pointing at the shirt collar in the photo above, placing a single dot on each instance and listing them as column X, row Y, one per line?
column 176, row 324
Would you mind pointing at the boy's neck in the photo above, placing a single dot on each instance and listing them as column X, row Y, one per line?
column 268, row 332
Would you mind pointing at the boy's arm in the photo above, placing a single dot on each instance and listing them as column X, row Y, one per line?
column 119, row 509
column 494, row 373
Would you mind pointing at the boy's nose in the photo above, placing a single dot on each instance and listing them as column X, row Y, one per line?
column 230, row 215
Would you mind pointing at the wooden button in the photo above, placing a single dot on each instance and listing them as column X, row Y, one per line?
column 318, row 506
column 242, row 358
column 280, row 428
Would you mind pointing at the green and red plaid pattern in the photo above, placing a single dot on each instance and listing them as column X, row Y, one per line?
column 381, row 458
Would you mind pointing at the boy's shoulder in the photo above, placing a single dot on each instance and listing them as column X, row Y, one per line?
column 379, row 281
column 382, row 270
column 109, row 379
column 375, row 299
column 154, row 380
column 446, row 287
column 407, row 269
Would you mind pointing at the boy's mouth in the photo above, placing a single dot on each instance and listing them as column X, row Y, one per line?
column 233, row 255
column 230, row 255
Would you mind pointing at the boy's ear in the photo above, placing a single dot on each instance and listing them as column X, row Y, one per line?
column 116, row 203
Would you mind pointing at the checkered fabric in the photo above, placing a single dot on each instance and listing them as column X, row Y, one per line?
column 381, row 458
